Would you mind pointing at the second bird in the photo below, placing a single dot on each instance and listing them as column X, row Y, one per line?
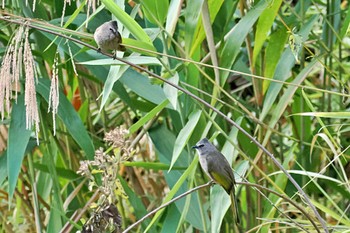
column 108, row 37
column 218, row 169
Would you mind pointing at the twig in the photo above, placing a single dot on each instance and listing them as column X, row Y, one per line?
column 165, row 205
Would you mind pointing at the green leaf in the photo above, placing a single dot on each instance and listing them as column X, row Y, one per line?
column 142, row 86
column 70, row 118
column 136, row 202
column 172, row 219
column 173, row 16
column 114, row 74
column 155, row 11
column 184, row 135
column 55, row 223
column 218, row 195
column 3, row 167
column 151, row 165
column 199, row 34
column 334, row 215
column 233, row 43
column 283, row 68
column 273, row 54
column 335, row 115
column 61, row 172
column 322, row 124
column 140, row 47
column 288, row 94
column 148, row 116
column 136, row 60
column 170, row 91
column 345, row 25
column 264, row 25
column 18, row 138
column 192, row 16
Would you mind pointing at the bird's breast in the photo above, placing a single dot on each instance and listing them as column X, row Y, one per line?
column 203, row 162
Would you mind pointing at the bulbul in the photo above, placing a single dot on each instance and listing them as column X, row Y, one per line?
column 107, row 37
column 218, row 169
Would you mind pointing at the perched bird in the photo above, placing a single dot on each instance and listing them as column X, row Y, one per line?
column 218, row 169
column 107, row 37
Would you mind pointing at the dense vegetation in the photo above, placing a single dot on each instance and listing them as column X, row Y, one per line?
column 91, row 141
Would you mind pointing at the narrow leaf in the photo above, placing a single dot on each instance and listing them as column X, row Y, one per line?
column 233, row 43
column 18, row 139
column 336, row 115
column 264, row 25
column 70, row 118
column 170, row 91
column 148, row 116
column 184, row 135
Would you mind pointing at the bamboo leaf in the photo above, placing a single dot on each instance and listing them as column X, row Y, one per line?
column 233, row 43
column 184, row 135
column 70, row 118
column 17, row 143
column 148, row 116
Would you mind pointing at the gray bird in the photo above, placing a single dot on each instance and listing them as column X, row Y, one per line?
column 218, row 169
column 107, row 37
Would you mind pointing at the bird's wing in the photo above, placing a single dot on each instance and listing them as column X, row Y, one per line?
column 223, row 181
column 218, row 168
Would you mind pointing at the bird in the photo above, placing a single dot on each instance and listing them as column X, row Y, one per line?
column 216, row 166
column 107, row 37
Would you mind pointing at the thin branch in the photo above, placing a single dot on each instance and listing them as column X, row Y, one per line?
column 166, row 204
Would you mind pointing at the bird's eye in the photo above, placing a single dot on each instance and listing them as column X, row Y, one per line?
column 201, row 145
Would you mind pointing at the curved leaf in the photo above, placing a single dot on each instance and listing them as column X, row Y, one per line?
column 184, row 135
column 18, row 139
column 70, row 118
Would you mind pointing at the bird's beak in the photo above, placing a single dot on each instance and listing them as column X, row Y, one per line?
column 194, row 147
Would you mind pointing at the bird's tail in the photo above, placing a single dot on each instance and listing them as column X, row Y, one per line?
column 234, row 207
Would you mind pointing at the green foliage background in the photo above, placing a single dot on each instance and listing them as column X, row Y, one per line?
column 279, row 69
